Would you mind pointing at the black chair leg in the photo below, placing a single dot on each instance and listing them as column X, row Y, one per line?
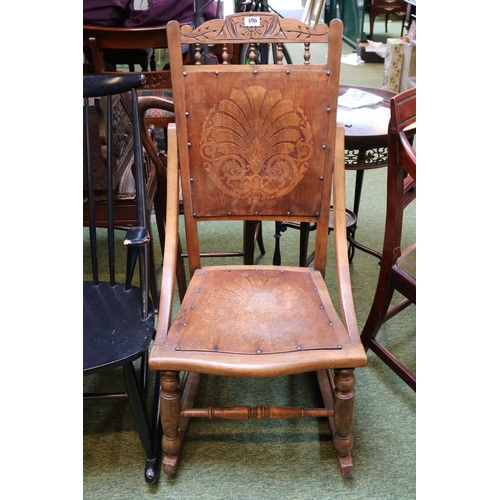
column 153, row 464
column 139, row 412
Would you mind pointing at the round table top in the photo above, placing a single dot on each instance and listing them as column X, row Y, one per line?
column 366, row 125
column 366, row 130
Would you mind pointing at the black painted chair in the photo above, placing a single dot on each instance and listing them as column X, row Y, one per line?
column 118, row 313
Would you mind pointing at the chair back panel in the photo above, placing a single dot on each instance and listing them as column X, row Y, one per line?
column 256, row 142
column 260, row 149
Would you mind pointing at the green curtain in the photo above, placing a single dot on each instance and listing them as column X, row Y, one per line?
column 351, row 12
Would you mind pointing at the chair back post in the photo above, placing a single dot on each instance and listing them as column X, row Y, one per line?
column 90, row 195
column 110, row 191
column 401, row 169
column 140, row 184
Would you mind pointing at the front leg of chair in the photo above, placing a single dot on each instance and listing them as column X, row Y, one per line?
column 170, row 408
column 343, row 404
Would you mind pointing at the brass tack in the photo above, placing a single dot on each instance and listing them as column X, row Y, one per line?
column 330, row 323
column 184, row 73
column 184, row 324
column 317, row 213
column 255, row 71
column 187, row 113
column 321, row 177
column 287, row 71
column 229, row 213
column 328, row 73
column 191, row 179
column 258, row 351
column 324, row 146
column 177, row 348
column 321, row 306
column 256, row 213
column 216, row 73
column 194, row 214
column 340, row 346
column 288, row 213
column 299, row 348
column 189, row 144
column 328, row 110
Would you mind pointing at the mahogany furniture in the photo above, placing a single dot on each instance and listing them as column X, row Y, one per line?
column 397, row 266
column 99, row 39
column 387, row 7
column 251, row 144
column 365, row 148
column 118, row 315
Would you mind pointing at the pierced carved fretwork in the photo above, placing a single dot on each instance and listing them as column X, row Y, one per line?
column 371, row 158
column 271, row 29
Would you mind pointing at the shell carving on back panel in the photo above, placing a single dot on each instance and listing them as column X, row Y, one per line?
column 256, row 145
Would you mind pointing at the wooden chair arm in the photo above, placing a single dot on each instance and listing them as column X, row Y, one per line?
column 171, row 237
column 340, row 235
column 146, row 103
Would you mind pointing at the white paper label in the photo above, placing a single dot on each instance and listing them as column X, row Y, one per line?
column 251, row 21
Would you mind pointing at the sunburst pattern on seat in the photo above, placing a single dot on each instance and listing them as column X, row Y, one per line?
column 260, row 310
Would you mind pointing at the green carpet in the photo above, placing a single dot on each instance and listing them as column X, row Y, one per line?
column 289, row 459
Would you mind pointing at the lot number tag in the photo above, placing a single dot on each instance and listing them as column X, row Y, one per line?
column 252, row 21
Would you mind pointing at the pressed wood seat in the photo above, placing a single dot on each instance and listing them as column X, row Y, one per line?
column 397, row 266
column 252, row 145
column 118, row 314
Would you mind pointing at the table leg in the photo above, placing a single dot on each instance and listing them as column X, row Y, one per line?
column 353, row 244
column 357, row 199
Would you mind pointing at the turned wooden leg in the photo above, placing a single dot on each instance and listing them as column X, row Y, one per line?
column 343, row 404
column 170, row 407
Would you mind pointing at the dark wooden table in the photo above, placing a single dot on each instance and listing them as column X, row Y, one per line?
column 365, row 148
column 365, row 145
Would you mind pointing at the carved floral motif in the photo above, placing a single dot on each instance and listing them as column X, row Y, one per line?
column 271, row 27
column 256, row 145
